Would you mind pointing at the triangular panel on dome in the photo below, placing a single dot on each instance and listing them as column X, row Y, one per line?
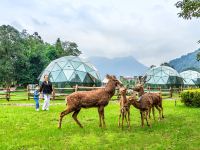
column 88, row 69
column 68, row 73
column 68, row 66
column 54, row 75
column 81, row 75
column 62, row 63
column 75, row 78
column 56, row 67
column 50, row 78
column 160, row 81
column 61, row 77
column 90, row 65
column 50, row 67
column 190, row 82
column 75, row 64
column 88, row 79
column 81, row 68
column 156, row 71
column 156, row 78
column 171, row 80
column 165, row 79
column 76, row 59
column 94, row 74
column 151, row 81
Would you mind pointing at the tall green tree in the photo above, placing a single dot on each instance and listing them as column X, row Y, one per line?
column 59, row 47
column 10, row 52
column 35, row 51
column 189, row 9
column 70, row 48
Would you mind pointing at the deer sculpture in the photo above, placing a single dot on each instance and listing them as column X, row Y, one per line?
column 155, row 100
column 144, row 105
column 86, row 99
column 124, row 108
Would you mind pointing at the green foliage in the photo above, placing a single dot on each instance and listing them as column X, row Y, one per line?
column 191, row 98
column 70, row 48
column 10, row 52
column 24, row 56
column 189, row 9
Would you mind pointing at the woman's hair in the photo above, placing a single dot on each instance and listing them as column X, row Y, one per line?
column 45, row 75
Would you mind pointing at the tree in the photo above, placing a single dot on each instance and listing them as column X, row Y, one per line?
column 10, row 51
column 66, row 48
column 51, row 52
column 36, row 60
column 59, row 47
column 189, row 9
column 70, row 48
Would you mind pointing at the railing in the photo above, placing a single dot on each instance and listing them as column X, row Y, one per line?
column 5, row 93
column 61, row 93
column 168, row 92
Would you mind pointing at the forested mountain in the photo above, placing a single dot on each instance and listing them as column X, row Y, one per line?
column 185, row 62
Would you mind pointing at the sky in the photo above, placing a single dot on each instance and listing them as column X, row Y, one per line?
column 148, row 30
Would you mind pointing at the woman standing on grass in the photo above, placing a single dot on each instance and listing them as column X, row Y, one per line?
column 46, row 89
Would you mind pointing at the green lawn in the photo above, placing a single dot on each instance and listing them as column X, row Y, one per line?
column 23, row 128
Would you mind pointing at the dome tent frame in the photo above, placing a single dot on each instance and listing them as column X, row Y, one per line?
column 164, row 77
column 191, row 78
column 71, row 71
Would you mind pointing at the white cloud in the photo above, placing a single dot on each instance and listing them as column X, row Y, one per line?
column 148, row 30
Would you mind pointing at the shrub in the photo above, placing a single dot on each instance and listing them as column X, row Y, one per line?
column 191, row 98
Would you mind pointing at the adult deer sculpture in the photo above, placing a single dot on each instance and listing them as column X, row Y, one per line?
column 155, row 99
column 86, row 99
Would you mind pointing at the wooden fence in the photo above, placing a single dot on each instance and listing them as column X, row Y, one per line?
column 5, row 93
column 61, row 93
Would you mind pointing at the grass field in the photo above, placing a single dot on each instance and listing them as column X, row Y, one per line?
column 23, row 128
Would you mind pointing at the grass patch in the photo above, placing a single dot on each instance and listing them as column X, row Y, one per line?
column 23, row 128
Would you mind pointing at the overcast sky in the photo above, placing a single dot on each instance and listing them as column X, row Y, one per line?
column 148, row 30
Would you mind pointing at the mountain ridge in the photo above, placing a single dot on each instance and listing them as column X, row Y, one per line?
column 119, row 66
column 186, row 62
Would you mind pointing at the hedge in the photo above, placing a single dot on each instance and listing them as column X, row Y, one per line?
column 191, row 98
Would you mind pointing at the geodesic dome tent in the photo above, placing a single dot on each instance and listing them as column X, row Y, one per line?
column 191, row 78
column 71, row 70
column 163, row 76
